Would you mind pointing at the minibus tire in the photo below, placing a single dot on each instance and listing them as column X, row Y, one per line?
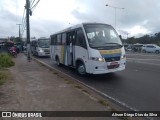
column 81, row 69
column 58, row 62
column 157, row 52
column 144, row 51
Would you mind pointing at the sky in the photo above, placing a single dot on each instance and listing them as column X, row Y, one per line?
column 138, row 18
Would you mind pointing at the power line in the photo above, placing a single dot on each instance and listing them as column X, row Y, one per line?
column 23, row 15
column 23, row 22
column 35, row 4
column 32, row 2
column 23, row 27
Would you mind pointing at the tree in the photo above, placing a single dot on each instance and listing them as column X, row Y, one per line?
column 146, row 39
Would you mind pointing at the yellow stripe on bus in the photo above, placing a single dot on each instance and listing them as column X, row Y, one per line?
column 61, row 54
column 110, row 51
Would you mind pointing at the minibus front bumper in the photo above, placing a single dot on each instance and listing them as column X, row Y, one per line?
column 107, row 67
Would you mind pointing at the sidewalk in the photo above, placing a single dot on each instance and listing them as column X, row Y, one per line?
column 35, row 88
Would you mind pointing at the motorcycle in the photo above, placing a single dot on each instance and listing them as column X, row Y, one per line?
column 12, row 52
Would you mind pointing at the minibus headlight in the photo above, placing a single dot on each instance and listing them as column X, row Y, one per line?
column 101, row 59
column 40, row 50
column 123, row 56
column 97, row 59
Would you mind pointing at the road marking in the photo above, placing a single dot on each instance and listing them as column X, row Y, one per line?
column 136, row 61
column 148, row 63
column 144, row 55
column 143, row 59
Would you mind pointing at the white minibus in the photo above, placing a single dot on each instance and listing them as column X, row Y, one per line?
column 93, row 48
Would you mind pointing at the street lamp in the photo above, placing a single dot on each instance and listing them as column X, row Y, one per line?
column 115, row 11
column 70, row 24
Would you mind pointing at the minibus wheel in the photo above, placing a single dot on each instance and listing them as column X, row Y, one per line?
column 58, row 62
column 81, row 69
column 144, row 51
column 157, row 52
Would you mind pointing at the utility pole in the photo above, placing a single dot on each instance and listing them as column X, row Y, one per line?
column 19, row 32
column 28, row 13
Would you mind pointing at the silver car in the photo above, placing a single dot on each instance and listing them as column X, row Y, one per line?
column 151, row 48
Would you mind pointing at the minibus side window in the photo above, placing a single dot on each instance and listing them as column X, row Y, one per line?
column 59, row 40
column 80, row 41
column 64, row 35
column 52, row 40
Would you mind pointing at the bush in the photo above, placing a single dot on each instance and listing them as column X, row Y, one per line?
column 6, row 60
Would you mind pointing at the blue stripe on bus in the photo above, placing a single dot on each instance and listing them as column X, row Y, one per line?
column 111, row 55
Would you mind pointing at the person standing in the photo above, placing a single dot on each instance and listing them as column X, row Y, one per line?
column 71, row 52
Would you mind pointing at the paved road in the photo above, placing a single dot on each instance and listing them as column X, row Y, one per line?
column 137, row 87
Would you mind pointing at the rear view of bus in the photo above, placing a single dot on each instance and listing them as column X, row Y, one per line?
column 106, row 53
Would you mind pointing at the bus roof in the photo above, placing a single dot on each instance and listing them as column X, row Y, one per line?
column 77, row 26
column 42, row 38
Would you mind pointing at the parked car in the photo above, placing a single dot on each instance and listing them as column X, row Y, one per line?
column 129, row 47
column 137, row 47
column 151, row 48
column 125, row 46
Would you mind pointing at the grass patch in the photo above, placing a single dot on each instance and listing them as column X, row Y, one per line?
column 69, row 82
column 65, row 79
column 61, row 77
column 103, row 102
column 85, row 91
column 113, row 109
column 3, row 77
column 6, row 61
column 77, row 86
column 55, row 72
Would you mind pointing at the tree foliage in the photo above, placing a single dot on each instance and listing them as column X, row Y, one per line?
column 146, row 39
column 15, row 39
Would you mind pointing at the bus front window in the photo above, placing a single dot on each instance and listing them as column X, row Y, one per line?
column 102, row 36
column 43, row 43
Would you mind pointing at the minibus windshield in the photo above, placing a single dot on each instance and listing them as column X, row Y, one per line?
column 43, row 43
column 102, row 36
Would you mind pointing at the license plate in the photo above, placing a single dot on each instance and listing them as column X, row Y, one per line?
column 114, row 63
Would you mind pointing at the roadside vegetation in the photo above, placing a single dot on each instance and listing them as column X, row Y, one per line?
column 5, row 62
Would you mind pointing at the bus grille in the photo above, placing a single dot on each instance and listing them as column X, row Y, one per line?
column 112, row 66
column 111, row 59
column 46, row 51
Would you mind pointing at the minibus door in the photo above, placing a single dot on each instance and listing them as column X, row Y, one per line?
column 71, row 48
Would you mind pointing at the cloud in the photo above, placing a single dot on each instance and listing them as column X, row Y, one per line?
column 7, row 24
column 44, row 28
column 51, row 15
